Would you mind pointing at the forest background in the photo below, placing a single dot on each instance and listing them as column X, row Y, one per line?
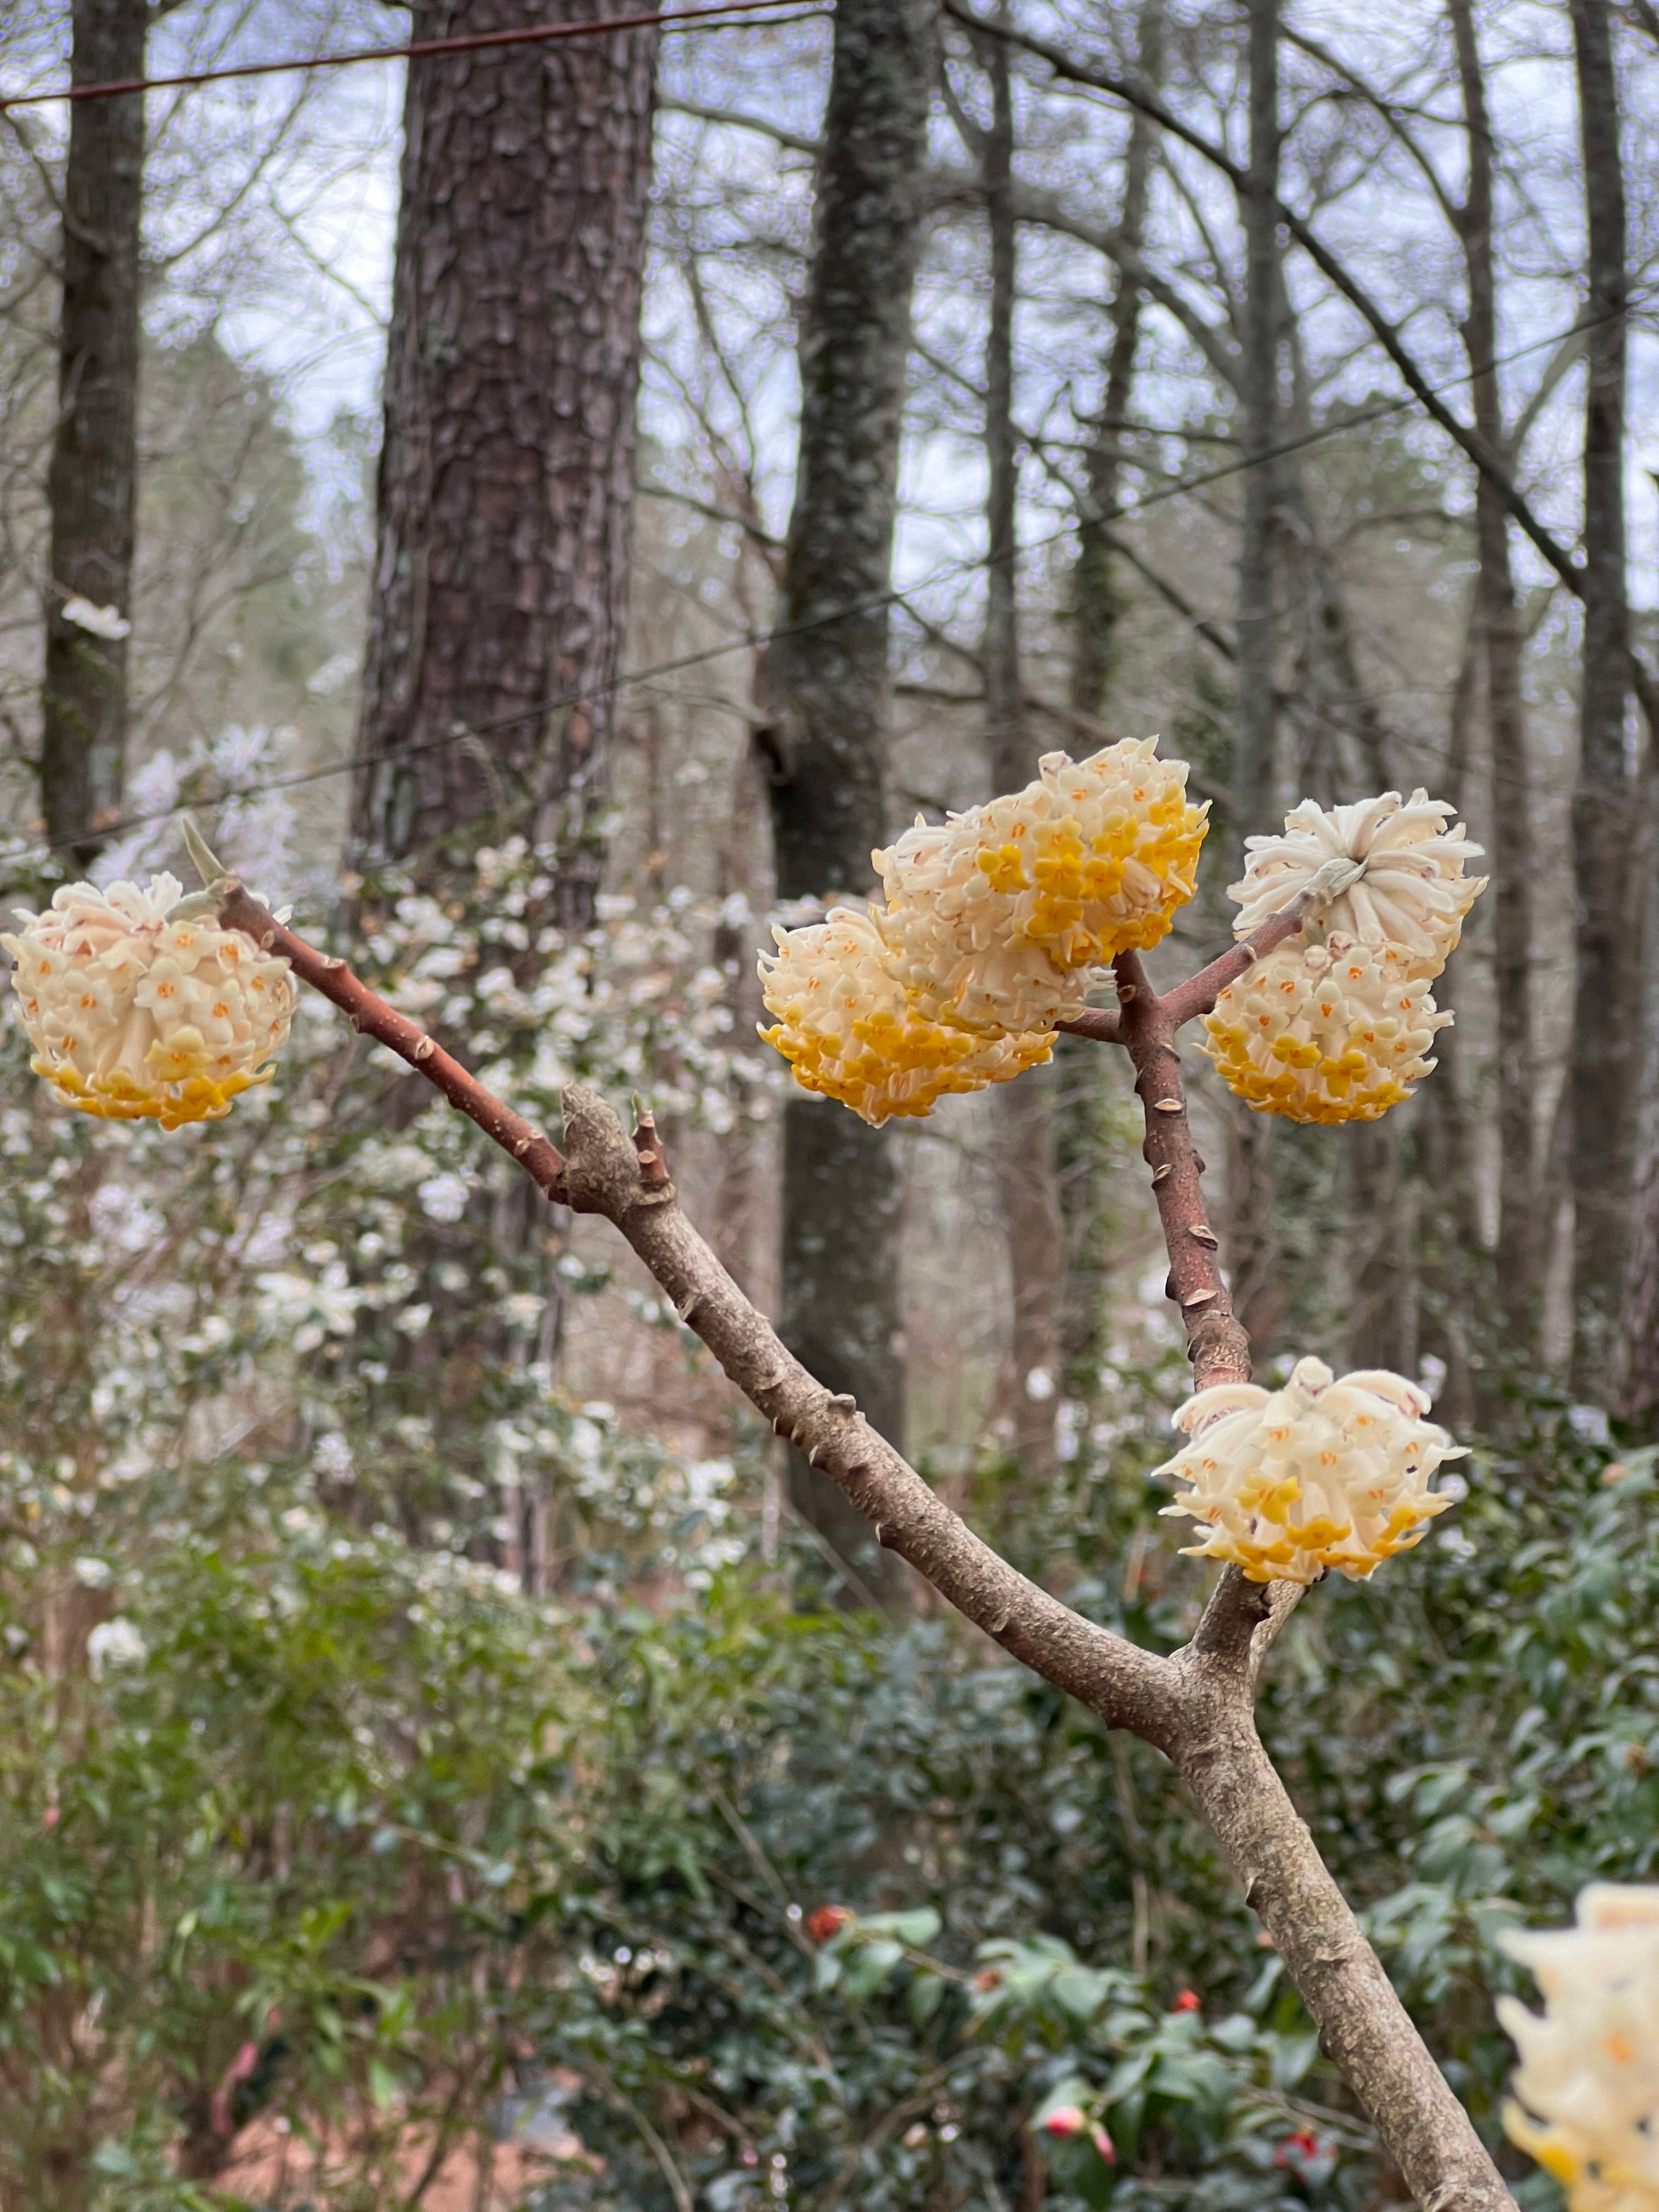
column 435, row 1715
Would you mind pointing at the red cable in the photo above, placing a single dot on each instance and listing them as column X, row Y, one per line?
column 667, row 19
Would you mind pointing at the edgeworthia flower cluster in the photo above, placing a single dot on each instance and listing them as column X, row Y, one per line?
column 1412, row 893
column 1322, row 1474
column 1588, row 2083
column 1324, row 1032
column 994, row 925
column 138, row 1010
column 1332, row 1026
column 847, row 1029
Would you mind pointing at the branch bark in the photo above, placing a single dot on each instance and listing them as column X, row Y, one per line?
column 1194, row 1706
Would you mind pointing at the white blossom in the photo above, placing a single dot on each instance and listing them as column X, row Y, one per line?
column 1412, row 893
column 114, row 1644
column 1588, row 2083
column 443, row 1197
column 135, row 1013
column 107, row 622
column 1333, row 1032
column 1322, row 1474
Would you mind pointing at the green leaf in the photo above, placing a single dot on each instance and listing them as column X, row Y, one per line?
column 868, row 1968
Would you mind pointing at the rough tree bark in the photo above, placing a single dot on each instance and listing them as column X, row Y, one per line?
column 1608, row 1023
column 507, row 475
column 1500, row 641
column 1250, row 1245
column 91, row 481
column 829, row 688
column 1022, row 1113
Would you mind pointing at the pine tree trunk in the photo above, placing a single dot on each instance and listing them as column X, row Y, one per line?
column 830, row 689
column 1022, row 1112
column 91, row 484
column 1499, row 626
column 1607, row 814
column 507, row 476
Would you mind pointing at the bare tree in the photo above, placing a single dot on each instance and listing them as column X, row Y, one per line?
column 1606, row 816
column 507, row 474
column 1497, row 628
column 92, row 487
column 1250, row 1197
column 829, row 686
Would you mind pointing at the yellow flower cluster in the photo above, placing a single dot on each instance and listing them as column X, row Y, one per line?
column 1589, row 2064
column 848, row 1031
column 1336, row 1031
column 994, row 923
column 1333, row 1032
column 1090, row 861
column 1322, row 1474
column 137, row 1014
column 1411, row 892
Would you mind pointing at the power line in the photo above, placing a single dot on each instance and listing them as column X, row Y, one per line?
column 872, row 603
column 670, row 19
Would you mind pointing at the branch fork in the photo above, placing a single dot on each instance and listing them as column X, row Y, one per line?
column 1195, row 1706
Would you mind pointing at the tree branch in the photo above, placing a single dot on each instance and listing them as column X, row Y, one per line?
column 1195, row 1706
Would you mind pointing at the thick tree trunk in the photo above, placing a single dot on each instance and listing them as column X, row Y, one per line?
column 507, row 476
column 1499, row 635
column 1251, row 1245
column 1022, row 1112
column 830, row 690
column 91, row 481
column 1608, row 1024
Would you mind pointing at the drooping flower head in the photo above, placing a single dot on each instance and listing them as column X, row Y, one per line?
column 1323, row 1032
column 1322, row 1474
column 135, row 1012
column 1089, row 860
column 1589, row 2064
column 1412, row 894
column 847, row 1028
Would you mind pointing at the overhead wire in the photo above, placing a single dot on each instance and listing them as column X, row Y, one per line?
column 872, row 602
column 667, row 19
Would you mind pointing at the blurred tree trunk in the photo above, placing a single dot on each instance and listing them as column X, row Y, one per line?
column 1081, row 1138
column 1022, row 1112
column 1607, row 814
column 1250, row 1197
column 507, row 474
column 1500, row 641
column 92, row 476
column 830, row 692
column 1098, row 596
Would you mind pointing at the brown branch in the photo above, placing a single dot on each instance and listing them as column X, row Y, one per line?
column 539, row 1158
column 1195, row 1706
